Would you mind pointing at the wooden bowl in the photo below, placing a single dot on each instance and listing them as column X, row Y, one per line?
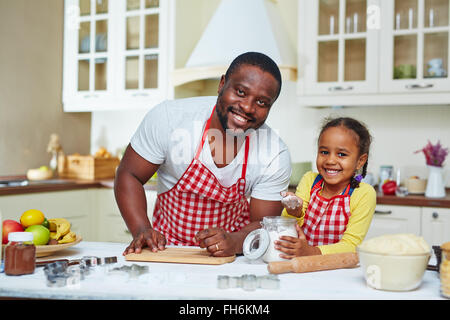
column 416, row 186
column 47, row 250
column 38, row 174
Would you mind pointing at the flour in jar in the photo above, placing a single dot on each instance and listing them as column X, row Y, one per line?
column 273, row 254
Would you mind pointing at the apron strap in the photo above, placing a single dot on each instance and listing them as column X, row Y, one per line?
column 205, row 132
column 247, row 147
column 318, row 181
column 348, row 191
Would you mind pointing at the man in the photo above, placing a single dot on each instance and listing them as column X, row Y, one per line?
column 211, row 154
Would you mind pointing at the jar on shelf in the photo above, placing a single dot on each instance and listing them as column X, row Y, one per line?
column 260, row 242
column 20, row 254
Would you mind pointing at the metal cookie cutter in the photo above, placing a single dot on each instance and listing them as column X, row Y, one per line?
column 60, row 273
column 92, row 261
column 248, row 282
column 55, row 273
column 134, row 271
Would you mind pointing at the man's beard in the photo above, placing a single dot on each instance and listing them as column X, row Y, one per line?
column 223, row 118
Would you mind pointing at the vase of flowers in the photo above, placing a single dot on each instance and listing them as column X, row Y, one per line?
column 435, row 156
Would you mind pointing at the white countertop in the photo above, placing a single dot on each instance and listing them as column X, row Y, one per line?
column 199, row 282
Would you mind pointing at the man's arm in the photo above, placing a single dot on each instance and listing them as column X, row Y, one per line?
column 132, row 173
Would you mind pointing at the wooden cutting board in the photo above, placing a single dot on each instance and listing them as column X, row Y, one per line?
column 190, row 255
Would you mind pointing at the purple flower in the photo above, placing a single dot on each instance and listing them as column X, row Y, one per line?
column 434, row 154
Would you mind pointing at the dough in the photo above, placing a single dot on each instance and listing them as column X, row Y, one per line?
column 398, row 244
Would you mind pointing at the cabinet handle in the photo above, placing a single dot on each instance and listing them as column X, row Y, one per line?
column 419, row 86
column 435, row 215
column 140, row 94
column 383, row 212
column 90, row 96
column 339, row 88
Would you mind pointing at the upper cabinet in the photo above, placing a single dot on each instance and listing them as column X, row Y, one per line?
column 372, row 52
column 116, row 54
column 339, row 48
column 416, row 40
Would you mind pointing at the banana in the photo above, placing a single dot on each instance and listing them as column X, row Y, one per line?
column 52, row 226
column 62, row 228
column 69, row 237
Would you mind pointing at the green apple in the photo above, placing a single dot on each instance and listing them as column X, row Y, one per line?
column 41, row 235
column 44, row 168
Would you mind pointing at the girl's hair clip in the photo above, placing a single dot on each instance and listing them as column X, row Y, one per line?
column 358, row 177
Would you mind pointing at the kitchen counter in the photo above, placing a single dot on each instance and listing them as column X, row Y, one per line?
column 418, row 200
column 67, row 184
column 171, row 281
column 51, row 185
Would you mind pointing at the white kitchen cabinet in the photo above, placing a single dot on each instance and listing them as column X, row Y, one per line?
column 340, row 51
column 116, row 54
column 436, row 225
column 385, row 62
column 110, row 224
column 395, row 219
column 415, row 39
column 75, row 206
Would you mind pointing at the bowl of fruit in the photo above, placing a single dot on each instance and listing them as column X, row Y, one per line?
column 49, row 235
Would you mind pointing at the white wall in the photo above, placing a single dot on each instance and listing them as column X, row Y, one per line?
column 31, row 44
column 397, row 131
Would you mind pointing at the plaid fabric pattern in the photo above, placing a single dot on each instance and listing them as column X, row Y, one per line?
column 326, row 219
column 198, row 201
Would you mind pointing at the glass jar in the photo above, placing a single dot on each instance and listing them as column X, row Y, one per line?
column 386, row 173
column 444, row 270
column 20, row 254
column 260, row 242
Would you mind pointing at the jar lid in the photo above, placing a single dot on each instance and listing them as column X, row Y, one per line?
column 20, row 236
column 256, row 244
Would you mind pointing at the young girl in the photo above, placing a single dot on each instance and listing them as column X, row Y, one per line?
column 333, row 207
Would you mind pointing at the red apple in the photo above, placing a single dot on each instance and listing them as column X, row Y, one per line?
column 10, row 226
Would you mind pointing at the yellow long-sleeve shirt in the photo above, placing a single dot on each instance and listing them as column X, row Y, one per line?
column 362, row 207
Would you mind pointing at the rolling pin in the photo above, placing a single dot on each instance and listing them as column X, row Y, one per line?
column 315, row 263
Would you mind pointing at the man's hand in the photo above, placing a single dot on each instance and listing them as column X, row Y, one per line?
column 147, row 238
column 217, row 241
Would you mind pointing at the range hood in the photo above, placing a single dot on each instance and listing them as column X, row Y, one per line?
column 236, row 27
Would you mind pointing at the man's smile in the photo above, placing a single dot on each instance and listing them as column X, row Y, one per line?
column 239, row 117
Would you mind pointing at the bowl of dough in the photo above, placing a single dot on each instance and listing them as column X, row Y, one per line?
column 394, row 262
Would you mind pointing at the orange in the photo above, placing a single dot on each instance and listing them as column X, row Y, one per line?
column 32, row 217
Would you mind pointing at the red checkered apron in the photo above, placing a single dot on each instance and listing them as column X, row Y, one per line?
column 198, row 201
column 326, row 219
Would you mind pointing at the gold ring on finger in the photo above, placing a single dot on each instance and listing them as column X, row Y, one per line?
column 217, row 247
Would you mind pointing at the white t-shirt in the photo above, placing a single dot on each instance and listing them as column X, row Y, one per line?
column 171, row 131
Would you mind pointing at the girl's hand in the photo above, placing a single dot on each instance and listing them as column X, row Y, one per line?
column 295, row 247
column 292, row 203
